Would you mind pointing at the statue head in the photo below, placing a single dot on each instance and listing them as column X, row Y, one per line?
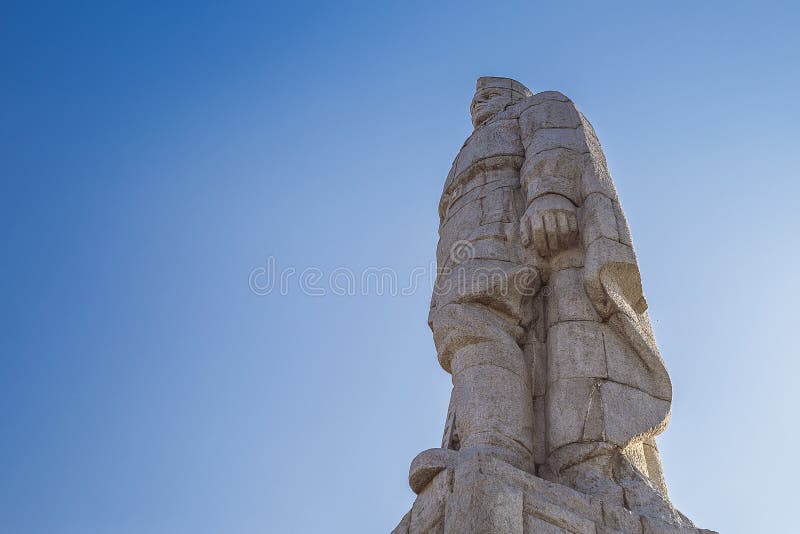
column 492, row 95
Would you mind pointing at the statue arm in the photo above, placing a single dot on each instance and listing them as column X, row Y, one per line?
column 550, row 176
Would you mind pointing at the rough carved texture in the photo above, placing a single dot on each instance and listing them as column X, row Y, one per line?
column 538, row 313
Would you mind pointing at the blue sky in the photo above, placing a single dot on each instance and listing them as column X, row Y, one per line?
column 154, row 155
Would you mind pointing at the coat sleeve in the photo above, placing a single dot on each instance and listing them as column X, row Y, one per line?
column 563, row 157
column 551, row 133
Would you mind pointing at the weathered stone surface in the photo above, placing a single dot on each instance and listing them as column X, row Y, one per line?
column 626, row 367
column 598, row 219
column 581, row 344
column 652, row 525
column 539, row 526
column 556, row 170
column 617, row 518
column 487, row 417
column 634, row 452
column 483, row 504
column 622, row 423
column 567, row 300
column 427, row 465
column 557, row 515
column 539, row 435
column 498, row 139
column 550, row 113
column 654, row 469
column 550, row 138
column 588, row 467
column 427, row 513
column 569, row 407
column 559, row 389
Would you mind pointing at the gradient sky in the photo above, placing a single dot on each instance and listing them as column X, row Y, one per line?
column 153, row 156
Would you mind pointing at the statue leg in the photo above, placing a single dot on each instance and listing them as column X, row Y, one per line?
column 492, row 398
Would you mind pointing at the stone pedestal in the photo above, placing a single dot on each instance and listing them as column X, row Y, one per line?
column 484, row 495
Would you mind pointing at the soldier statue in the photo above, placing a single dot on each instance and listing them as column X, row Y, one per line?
column 538, row 311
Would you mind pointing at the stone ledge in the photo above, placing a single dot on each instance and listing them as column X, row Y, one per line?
column 483, row 495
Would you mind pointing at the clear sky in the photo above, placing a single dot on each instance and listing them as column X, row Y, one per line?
column 153, row 157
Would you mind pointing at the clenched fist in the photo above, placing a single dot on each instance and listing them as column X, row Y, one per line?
column 549, row 224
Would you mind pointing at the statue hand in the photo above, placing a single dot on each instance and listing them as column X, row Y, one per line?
column 550, row 224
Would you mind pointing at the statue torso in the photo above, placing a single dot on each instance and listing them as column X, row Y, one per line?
column 482, row 202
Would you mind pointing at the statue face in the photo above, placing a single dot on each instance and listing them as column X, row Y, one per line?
column 487, row 103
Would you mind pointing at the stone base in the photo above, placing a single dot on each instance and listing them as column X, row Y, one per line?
column 484, row 495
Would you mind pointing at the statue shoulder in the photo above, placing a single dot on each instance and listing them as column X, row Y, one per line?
column 515, row 110
column 547, row 99
column 550, row 95
column 451, row 176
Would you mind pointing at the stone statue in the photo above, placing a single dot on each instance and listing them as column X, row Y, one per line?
column 538, row 314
